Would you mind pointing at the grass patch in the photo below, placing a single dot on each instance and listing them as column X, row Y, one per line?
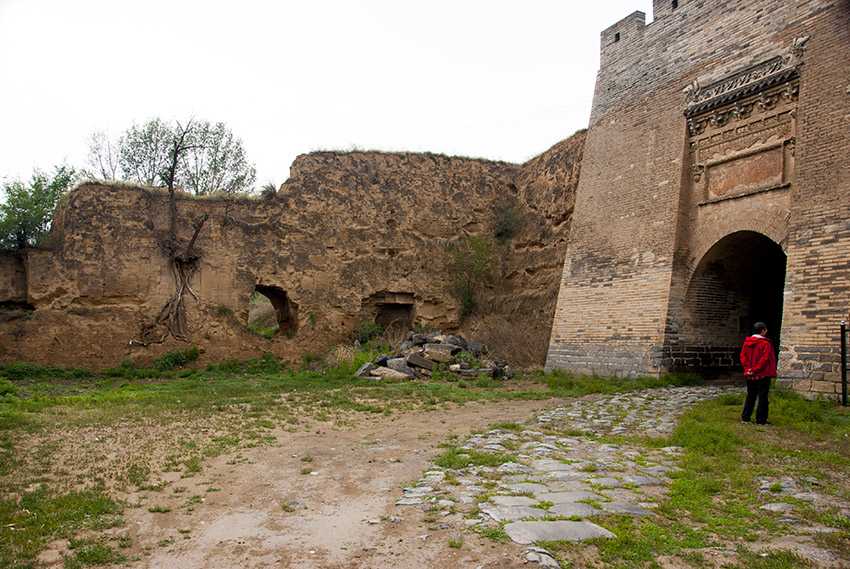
column 494, row 533
column 455, row 458
column 41, row 516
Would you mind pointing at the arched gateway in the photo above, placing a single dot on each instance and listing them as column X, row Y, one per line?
column 738, row 282
column 714, row 192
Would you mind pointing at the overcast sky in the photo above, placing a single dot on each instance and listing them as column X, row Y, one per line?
column 496, row 79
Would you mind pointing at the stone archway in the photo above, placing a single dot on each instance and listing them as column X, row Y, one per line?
column 740, row 280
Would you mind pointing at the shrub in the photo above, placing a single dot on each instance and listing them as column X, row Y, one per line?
column 177, row 358
column 466, row 357
column 23, row 370
column 470, row 264
column 368, row 331
column 7, row 387
column 508, row 219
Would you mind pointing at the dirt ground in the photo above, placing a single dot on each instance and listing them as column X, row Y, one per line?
column 342, row 514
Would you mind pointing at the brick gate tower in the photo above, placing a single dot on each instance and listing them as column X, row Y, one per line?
column 714, row 192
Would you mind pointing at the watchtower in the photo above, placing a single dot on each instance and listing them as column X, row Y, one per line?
column 714, row 192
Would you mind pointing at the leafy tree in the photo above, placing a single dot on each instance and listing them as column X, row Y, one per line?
column 215, row 161
column 143, row 151
column 210, row 159
column 27, row 209
column 470, row 264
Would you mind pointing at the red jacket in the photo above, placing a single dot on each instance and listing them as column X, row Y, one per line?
column 758, row 358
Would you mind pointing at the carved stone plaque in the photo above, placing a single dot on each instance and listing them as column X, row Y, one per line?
column 745, row 174
column 742, row 128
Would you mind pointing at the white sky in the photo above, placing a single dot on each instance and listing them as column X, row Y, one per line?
column 496, row 79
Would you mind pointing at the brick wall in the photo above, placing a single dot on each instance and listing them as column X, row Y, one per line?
column 663, row 193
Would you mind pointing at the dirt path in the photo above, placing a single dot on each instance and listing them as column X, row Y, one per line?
column 344, row 513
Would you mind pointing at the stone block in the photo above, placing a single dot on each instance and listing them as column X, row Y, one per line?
column 476, row 372
column 531, row 532
column 439, row 352
column 416, row 360
column 824, row 386
column 476, row 348
column 400, row 364
column 455, row 340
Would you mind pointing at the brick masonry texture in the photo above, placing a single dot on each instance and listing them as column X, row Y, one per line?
column 671, row 214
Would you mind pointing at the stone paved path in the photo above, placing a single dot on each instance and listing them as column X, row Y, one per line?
column 571, row 476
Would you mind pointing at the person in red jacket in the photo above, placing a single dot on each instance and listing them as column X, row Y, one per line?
column 759, row 363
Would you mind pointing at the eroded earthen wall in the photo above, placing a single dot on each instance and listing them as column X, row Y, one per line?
column 348, row 237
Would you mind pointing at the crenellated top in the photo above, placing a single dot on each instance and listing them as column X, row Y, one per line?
column 623, row 31
column 626, row 30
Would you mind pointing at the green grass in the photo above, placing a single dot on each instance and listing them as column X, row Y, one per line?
column 236, row 404
column 456, row 458
column 495, row 533
column 41, row 516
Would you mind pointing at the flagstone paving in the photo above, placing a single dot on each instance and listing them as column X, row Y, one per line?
column 553, row 485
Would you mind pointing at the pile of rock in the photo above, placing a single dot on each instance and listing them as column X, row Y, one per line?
column 420, row 355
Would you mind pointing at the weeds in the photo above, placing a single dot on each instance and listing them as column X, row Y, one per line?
column 456, row 458
column 177, row 358
column 40, row 516
column 495, row 533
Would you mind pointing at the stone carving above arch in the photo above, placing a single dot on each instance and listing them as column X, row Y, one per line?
column 745, row 147
column 778, row 70
column 742, row 128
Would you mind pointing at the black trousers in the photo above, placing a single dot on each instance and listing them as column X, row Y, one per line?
column 756, row 389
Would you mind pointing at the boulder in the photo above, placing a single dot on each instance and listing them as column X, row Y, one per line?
column 389, row 373
column 455, row 340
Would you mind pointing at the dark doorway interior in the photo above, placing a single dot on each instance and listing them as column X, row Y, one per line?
column 389, row 309
column 738, row 282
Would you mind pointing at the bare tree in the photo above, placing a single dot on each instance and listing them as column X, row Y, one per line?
column 183, row 260
column 103, row 157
